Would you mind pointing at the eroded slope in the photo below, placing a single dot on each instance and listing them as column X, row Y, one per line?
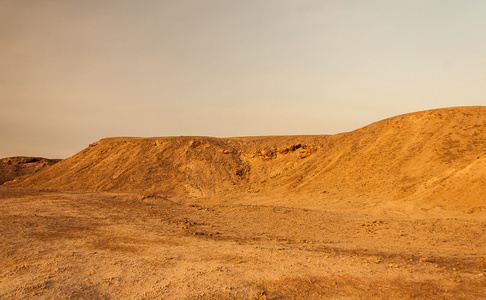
column 432, row 158
column 11, row 168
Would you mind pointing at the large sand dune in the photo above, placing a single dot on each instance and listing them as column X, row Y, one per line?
column 394, row 210
column 431, row 159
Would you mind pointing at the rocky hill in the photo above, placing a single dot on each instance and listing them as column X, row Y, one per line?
column 12, row 168
column 434, row 158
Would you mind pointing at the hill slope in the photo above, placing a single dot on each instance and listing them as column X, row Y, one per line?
column 14, row 167
column 434, row 158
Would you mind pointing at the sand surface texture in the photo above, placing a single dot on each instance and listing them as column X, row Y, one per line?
column 396, row 209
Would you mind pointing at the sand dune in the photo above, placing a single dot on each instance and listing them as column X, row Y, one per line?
column 430, row 159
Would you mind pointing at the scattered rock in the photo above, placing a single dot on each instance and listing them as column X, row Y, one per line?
column 194, row 143
column 261, row 295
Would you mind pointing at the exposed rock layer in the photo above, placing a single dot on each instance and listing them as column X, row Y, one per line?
column 11, row 168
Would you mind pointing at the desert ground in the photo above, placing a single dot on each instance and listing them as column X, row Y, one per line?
column 393, row 210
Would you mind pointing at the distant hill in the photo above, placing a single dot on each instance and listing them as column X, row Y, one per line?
column 15, row 167
column 434, row 158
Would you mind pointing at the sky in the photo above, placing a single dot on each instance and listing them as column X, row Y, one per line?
column 74, row 72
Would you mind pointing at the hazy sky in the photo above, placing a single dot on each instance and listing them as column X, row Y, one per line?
column 73, row 72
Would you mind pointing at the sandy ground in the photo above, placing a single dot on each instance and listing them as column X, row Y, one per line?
column 394, row 210
column 74, row 245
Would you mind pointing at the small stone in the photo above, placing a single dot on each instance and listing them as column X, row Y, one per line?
column 426, row 259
